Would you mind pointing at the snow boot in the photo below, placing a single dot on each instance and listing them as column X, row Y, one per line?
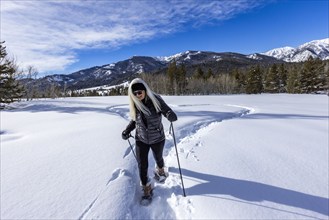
column 147, row 194
column 160, row 174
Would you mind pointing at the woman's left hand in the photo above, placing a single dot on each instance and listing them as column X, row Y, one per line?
column 171, row 116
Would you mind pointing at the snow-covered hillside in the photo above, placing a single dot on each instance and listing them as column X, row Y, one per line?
column 316, row 49
column 242, row 157
column 103, row 90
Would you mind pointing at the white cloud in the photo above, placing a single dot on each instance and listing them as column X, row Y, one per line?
column 46, row 33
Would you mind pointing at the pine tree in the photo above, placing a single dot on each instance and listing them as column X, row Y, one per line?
column 254, row 81
column 322, row 79
column 312, row 76
column 282, row 74
column 209, row 74
column 181, row 79
column 240, row 79
column 199, row 74
column 272, row 80
column 10, row 90
column 293, row 81
column 326, row 77
column 171, row 72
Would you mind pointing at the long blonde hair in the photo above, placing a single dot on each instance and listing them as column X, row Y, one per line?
column 134, row 102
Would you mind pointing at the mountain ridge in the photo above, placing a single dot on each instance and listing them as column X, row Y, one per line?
column 121, row 71
column 316, row 49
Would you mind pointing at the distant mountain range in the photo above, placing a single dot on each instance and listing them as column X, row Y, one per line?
column 119, row 72
column 316, row 49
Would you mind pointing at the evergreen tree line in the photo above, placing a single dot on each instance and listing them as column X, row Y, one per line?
column 311, row 76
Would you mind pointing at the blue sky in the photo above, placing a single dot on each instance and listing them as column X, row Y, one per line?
column 66, row 36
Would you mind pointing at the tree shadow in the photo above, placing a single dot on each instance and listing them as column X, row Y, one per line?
column 122, row 110
column 253, row 191
column 244, row 114
column 46, row 107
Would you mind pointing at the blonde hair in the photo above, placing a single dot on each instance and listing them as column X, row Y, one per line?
column 134, row 102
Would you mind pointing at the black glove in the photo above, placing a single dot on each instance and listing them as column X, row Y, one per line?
column 125, row 135
column 171, row 116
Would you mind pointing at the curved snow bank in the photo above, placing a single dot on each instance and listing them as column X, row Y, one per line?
column 120, row 188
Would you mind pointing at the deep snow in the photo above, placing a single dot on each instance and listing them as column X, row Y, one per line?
column 242, row 157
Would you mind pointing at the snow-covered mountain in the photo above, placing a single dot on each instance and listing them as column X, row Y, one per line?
column 202, row 57
column 109, row 74
column 120, row 72
column 316, row 49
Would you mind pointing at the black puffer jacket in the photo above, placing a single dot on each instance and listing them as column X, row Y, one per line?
column 149, row 128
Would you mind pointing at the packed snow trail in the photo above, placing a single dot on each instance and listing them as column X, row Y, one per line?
column 189, row 138
column 168, row 202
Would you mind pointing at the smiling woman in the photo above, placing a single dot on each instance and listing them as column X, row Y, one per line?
column 146, row 110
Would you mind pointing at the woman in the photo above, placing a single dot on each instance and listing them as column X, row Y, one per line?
column 146, row 110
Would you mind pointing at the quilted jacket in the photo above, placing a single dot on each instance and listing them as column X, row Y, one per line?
column 149, row 128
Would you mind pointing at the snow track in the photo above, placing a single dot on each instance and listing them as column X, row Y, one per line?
column 168, row 201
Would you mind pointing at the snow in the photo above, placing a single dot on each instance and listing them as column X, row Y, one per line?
column 58, row 78
column 125, row 84
column 281, row 53
column 175, row 56
column 242, row 157
column 315, row 48
column 108, row 72
column 317, row 44
column 110, row 66
column 217, row 58
column 254, row 56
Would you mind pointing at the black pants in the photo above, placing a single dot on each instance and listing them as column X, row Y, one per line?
column 142, row 152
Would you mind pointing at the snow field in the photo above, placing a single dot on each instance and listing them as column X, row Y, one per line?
column 242, row 157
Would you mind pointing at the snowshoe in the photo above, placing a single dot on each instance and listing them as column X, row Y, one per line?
column 146, row 200
column 147, row 194
column 161, row 174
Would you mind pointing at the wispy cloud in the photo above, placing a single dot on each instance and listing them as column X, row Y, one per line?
column 46, row 34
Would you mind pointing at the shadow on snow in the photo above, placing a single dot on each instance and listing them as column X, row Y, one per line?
column 61, row 109
column 122, row 111
column 253, row 192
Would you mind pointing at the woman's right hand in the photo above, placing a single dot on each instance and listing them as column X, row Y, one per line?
column 125, row 135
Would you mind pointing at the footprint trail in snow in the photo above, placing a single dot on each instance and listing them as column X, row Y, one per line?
column 168, row 200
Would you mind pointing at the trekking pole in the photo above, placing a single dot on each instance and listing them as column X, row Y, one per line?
column 180, row 171
column 131, row 147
